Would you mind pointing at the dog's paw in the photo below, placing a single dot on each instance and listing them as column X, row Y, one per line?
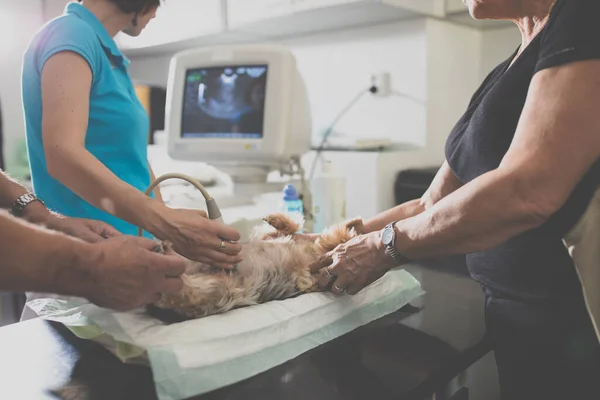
column 356, row 225
column 284, row 223
column 277, row 226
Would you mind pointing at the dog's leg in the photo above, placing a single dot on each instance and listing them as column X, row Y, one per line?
column 336, row 235
column 283, row 224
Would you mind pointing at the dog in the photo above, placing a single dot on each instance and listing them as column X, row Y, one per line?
column 275, row 267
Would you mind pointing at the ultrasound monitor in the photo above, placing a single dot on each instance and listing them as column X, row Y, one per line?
column 243, row 109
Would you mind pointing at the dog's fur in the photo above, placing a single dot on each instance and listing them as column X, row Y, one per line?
column 275, row 267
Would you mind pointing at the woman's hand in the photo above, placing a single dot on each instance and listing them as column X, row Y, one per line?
column 354, row 265
column 198, row 238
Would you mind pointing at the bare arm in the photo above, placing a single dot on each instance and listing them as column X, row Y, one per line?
column 10, row 191
column 66, row 85
column 157, row 193
column 444, row 183
column 37, row 213
column 121, row 273
column 33, row 258
column 556, row 143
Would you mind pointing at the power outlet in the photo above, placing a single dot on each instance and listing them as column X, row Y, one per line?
column 383, row 83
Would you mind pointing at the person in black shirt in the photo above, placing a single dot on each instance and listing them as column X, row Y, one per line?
column 522, row 165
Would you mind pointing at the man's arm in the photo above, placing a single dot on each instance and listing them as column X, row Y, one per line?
column 37, row 213
column 120, row 273
column 33, row 258
column 10, row 191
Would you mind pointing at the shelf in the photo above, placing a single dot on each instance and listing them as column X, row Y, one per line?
column 295, row 18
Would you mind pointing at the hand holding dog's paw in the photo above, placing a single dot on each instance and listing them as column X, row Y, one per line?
column 353, row 265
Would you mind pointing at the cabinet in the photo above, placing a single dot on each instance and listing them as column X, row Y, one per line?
column 243, row 12
column 455, row 6
column 435, row 8
column 304, row 5
column 176, row 21
column 276, row 19
column 182, row 24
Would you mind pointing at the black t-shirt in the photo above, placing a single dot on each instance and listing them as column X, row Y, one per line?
column 534, row 264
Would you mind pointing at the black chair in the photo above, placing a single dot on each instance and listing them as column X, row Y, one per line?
column 412, row 183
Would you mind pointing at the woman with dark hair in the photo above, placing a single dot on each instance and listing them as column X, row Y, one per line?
column 87, row 132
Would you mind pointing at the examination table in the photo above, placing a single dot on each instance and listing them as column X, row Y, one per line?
column 415, row 353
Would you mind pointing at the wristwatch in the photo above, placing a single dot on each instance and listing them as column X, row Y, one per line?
column 22, row 202
column 388, row 239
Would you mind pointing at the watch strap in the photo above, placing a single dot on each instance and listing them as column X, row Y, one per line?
column 391, row 247
column 22, row 202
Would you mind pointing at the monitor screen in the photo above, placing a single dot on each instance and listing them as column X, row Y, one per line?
column 224, row 102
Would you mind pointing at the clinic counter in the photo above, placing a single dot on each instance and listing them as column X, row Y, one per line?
column 410, row 354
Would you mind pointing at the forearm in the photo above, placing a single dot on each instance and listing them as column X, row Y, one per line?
column 156, row 191
column 85, row 175
column 482, row 214
column 403, row 211
column 9, row 191
column 35, row 259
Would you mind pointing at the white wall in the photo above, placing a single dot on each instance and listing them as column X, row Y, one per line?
column 19, row 20
column 337, row 65
column 434, row 61
column 453, row 63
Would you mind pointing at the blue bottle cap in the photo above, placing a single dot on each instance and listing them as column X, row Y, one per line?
column 290, row 193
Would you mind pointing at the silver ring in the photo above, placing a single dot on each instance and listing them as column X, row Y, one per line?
column 222, row 246
column 342, row 291
column 330, row 276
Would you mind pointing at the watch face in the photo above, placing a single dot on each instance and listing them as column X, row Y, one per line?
column 388, row 235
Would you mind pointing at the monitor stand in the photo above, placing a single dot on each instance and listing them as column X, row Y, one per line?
column 249, row 184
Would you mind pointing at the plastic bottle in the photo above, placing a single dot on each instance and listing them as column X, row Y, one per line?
column 329, row 198
column 291, row 203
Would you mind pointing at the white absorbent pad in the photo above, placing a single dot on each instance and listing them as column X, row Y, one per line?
column 199, row 356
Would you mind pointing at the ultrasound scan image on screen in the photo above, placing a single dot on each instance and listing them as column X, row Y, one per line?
column 224, row 102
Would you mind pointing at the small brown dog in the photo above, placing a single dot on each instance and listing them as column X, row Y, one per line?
column 275, row 267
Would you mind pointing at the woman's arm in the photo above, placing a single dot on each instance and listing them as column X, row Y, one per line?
column 66, row 85
column 556, row 143
column 444, row 183
column 156, row 191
